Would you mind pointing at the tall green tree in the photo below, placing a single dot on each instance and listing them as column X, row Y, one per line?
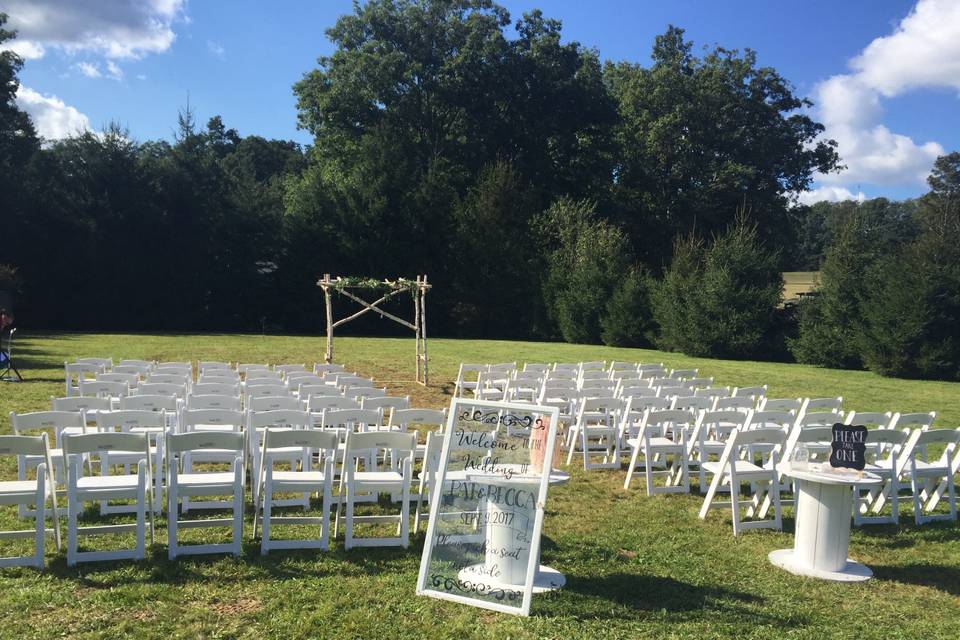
column 699, row 138
column 418, row 100
column 720, row 300
column 587, row 260
column 911, row 304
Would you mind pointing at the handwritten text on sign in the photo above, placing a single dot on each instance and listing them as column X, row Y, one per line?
column 487, row 505
column 849, row 446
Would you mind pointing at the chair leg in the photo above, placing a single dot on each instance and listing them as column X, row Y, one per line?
column 405, row 510
column 735, row 501
column 71, row 529
column 327, row 500
column 348, row 523
column 632, row 466
column 41, row 521
column 266, row 496
column 574, row 436
column 647, row 466
column 141, row 552
column 172, row 516
column 237, row 508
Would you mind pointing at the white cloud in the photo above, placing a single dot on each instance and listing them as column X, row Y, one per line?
column 114, row 70
column 52, row 118
column 26, row 49
column 922, row 52
column 831, row 194
column 126, row 29
column 216, row 49
column 91, row 70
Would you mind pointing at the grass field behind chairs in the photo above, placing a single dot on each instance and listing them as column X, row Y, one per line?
column 635, row 566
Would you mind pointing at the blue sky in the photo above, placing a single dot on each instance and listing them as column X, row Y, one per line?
column 883, row 90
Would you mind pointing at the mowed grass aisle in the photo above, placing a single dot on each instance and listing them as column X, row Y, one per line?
column 635, row 566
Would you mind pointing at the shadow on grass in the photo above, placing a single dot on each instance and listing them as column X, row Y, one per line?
column 909, row 534
column 936, row 576
column 642, row 595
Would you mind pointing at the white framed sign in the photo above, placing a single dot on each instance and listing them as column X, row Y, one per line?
column 487, row 505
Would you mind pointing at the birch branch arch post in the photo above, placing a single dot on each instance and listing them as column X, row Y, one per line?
column 388, row 289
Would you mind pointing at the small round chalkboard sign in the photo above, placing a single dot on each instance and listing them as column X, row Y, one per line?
column 848, row 446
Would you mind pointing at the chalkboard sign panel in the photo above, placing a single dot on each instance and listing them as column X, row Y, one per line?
column 848, row 447
column 487, row 504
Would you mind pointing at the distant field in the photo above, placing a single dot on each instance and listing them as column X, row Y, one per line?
column 636, row 567
column 796, row 283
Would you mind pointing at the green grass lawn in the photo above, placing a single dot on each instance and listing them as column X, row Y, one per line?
column 635, row 566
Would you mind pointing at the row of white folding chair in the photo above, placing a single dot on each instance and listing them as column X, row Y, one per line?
column 468, row 376
column 138, row 425
column 68, row 460
column 903, row 464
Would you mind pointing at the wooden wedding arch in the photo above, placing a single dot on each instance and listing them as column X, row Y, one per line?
column 389, row 289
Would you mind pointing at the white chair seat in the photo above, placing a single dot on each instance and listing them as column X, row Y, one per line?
column 207, row 481
column 656, row 442
column 740, row 467
column 933, row 469
column 295, row 481
column 18, row 489
column 107, row 483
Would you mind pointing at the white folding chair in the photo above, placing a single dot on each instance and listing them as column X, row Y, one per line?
column 90, row 406
column 143, row 364
column 738, row 464
column 208, row 421
column 361, row 448
column 56, row 424
column 322, row 368
column 130, row 379
column 32, row 493
column 257, row 424
column 596, row 431
column 216, row 389
column 212, row 401
column 318, row 404
column 883, row 448
column 213, row 365
column 104, row 389
column 304, row 391
column 359, row 393
column 735, row 403
column 662, row 436
column 91, row 488
column 386, row 405
column 273, row 403
column 710, row 436
column 427, row 477
column 152, row 423
column 181, row 484
column 683, row 374
column 429, row 421
column 927, row 473
column 287, row 368
column 170, row 405
column 780, row 404
column 651, row 370
column 306, row 480
column 817, row 405
column 74, row 372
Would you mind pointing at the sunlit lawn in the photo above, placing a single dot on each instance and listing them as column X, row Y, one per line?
column 635, row 566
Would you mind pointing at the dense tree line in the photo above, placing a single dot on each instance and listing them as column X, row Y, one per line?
column 546, row 193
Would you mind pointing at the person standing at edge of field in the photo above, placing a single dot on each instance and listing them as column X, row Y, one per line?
column 6, row 322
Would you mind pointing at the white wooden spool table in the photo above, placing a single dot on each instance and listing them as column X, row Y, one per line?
column 822, row 537
column 511, row 571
